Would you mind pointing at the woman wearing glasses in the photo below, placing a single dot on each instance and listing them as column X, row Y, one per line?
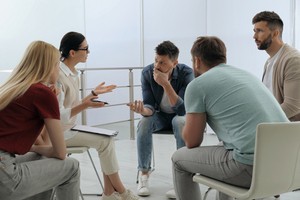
column 74, row 50
column 24, row 110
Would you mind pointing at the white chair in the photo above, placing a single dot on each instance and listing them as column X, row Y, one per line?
column 79, row 150
column 276, row 167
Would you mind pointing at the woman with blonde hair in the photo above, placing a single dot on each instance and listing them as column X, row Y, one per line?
column 28, row 171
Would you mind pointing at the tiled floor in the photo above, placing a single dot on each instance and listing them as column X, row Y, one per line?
column 161, row 178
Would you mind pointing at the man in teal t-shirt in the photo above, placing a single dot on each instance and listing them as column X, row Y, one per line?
column 233, row 102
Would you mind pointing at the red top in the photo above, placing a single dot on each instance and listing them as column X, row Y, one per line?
column 23, row 119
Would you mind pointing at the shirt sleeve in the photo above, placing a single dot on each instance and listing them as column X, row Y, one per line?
column 46, row 103
column 148, row 96
column 194, row 99
column 179, row 107
column 291, row 98
column 65, row 113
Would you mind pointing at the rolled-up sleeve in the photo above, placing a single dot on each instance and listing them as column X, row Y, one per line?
column 147, row 93
column 291, row 98
column 187, row 77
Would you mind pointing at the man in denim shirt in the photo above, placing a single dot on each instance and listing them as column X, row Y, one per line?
column 163, row 87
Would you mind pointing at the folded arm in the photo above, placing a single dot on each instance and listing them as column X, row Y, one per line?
column 57, row 147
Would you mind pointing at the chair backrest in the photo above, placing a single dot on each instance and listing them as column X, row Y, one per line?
column 276, row 166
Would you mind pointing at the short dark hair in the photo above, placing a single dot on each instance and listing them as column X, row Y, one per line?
column 167, row 48
column 70, row 41
column 210, row 49
column 273, row 20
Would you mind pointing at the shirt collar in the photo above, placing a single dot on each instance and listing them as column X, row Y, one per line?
column 174, row 73
column 66, row 70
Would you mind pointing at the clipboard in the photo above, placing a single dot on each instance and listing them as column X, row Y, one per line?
column 95, row 130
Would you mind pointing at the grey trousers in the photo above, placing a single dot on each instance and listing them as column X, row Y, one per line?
column 212, row 161
column 32, row 176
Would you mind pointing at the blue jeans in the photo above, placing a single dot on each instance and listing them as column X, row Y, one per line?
column 148, row 125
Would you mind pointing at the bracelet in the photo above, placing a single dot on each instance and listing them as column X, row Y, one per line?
column 93, row 93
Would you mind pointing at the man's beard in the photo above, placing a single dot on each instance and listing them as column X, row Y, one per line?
column 266, row 43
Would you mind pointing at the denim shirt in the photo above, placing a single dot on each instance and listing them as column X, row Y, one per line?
column 152, row 92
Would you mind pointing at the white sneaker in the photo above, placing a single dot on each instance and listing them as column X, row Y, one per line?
column 171, row 194
column 143, row 188
column 128, row 195
column 113, row 196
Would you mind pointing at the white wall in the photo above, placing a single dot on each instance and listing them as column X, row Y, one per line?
column 297, row 24
column 234, row 27
column 178, row 21
column 113, row 34
column 23, row 21
column 124, row 34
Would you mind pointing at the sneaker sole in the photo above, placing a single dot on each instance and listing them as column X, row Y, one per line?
column 143, row 194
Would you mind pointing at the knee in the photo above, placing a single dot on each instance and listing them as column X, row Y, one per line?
column 105, row 143
column 178, row 156
column 178, row 122
column 144, row 125
column 108, row 140
column 74, row 167
column 145, row 121
column 175, row 159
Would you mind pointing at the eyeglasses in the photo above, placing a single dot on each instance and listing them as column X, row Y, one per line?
column 83, row 49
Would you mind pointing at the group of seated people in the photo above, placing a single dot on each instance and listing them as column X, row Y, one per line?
column 40, row 101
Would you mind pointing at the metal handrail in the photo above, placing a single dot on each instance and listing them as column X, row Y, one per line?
column 6, row 70
column 131, row 87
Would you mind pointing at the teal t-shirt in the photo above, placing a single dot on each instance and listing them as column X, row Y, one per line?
column 235, row 102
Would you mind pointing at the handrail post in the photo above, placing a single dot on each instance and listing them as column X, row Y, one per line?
column 83, row 94
column 131, row 99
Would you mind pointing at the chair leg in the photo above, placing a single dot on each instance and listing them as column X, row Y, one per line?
column 96, row 171
column 206, row 193
column 53, row 194
column 153, row 159
column 81, row 194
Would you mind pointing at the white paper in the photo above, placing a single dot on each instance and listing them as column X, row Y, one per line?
column 95, row 130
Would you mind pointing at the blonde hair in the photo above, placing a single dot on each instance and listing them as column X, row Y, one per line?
column 36, row 66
